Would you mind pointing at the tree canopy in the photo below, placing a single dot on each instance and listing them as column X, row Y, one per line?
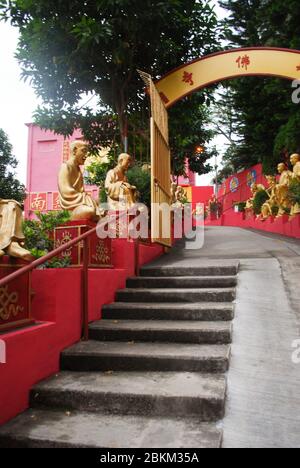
column 266, row 121
column 71, row 49
column 10, row 187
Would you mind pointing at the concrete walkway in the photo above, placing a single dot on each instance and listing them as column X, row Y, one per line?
column 263, row 405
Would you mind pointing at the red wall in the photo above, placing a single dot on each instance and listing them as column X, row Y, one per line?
column 228, row 196
column 33, row 353
column 201, row 195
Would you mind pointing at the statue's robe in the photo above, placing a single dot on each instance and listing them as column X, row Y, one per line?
column 296, row 171
column 283, row 188
column 119, row 196
column 71, row 189
column 296, row 175
column 11, row 218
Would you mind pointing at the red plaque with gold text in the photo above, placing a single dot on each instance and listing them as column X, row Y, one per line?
column 15, row 299
column 100, row 250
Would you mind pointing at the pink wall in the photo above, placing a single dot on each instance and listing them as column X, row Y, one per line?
column 45, row 156
column 282, row 226
column 191, row 176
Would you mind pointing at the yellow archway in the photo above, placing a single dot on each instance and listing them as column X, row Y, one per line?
column 261, row 61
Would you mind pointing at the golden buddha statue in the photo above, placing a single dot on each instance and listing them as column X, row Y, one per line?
column 295, row 161
column 11, row 232
column 72, row 195
column 254, row 189
column 180, row 196
column 282, row 189
column 173, row 192
column 267, row 208
column 121, row 195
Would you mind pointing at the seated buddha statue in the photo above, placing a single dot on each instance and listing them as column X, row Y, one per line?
column 267, row 208
column 120, row 194
column 282, row 189
column 295, row 161
column 11, row 233
column 72, row 195
column 254, row 189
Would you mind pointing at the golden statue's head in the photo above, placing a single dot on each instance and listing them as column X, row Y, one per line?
column 124, row 161
column 79, row 151
column 295, row 158
column 281, row 168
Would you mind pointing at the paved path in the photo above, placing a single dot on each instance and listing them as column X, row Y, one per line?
column 263, row 406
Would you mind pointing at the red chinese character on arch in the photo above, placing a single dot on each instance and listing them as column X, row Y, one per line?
column 38, row 201
column 188, row 78
column 243, row 62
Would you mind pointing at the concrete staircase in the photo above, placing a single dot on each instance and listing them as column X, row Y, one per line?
column 152, row 374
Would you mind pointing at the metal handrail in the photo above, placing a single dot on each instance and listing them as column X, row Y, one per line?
column 41, row 261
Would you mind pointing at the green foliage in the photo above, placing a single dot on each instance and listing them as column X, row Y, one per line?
column 39, row 236
column 189, row 121
column 72, row 48
column 288, row 137
column 241, row 206
column 265, row 120
column 275, row 210
column 97, row 170
column 142, row 180
column 260, row 198
column 10, row 187
column 294, row 191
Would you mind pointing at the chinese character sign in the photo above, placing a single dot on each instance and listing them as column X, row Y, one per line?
column 188, row 78
column 243, row 62
column 55, row 202
column 66, row 151
column 38, row 202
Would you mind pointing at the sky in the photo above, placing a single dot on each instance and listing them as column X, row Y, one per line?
column 18, row 100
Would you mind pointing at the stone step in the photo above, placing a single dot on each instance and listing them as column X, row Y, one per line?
column 176, row 295
column 138, row 393
column 164, row 357
column 183, row 282
column 169, row 311
column 162, row 331
column 217, row 268
column 56, row 429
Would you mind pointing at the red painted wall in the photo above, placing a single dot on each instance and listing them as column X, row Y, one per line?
column 45, row 156
column 202, row 195
column 33, row 353
column 231, row 192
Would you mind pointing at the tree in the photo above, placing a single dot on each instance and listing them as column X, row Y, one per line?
column 189, row 129
column 263, row 106
column 71, row 48
column 10, row 187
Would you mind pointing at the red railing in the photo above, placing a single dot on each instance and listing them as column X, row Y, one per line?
column 85, row 277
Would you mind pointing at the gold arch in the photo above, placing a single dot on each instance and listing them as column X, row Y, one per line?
column 254, row 61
